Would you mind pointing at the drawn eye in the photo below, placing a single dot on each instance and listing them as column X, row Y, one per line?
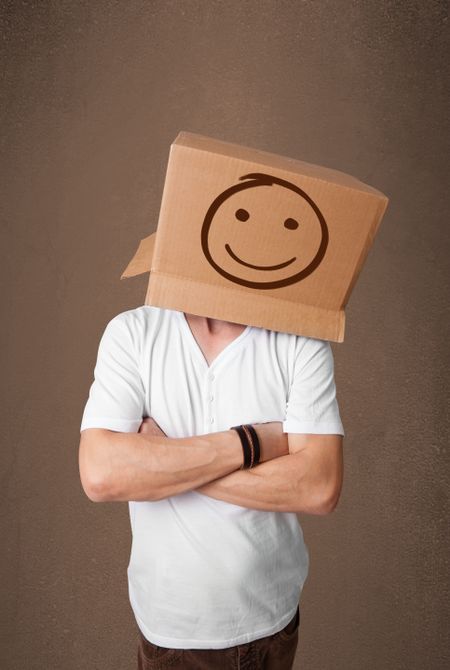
column 241, row 214
column 292, row 224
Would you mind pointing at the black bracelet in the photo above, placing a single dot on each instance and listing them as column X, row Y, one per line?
column 256, row 444
column 245, row 447
column 250, row 441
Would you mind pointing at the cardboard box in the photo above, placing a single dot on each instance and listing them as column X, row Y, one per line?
column 256, row 238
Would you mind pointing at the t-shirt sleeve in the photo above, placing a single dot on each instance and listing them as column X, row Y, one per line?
column 117, row 396
column 312, row 405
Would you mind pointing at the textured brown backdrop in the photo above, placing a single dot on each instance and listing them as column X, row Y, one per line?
column 93, row 94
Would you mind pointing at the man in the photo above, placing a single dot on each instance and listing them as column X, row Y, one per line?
column 218, row 559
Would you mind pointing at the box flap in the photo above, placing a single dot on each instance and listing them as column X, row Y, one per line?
column 142, row 259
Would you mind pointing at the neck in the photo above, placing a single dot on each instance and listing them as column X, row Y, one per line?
column 212, row 326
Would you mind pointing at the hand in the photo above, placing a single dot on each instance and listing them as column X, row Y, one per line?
column 273, row 441
column 150, row 427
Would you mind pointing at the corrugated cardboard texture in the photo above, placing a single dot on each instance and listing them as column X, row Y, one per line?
column 256, row 238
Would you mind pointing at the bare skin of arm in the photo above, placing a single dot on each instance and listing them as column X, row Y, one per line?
column 150, row 466
column 308, row 479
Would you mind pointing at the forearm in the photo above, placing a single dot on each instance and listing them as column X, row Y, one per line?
column 284, row 484
column 131, row 466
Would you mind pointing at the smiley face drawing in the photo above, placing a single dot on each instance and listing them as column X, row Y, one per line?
column 239, row 220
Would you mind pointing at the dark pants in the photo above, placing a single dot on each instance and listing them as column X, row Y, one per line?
column 274, row 652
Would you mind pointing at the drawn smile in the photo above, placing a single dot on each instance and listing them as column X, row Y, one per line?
column 258, row 267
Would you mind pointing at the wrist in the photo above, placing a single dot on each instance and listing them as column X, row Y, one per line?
column 274, row 442
column 250, row 444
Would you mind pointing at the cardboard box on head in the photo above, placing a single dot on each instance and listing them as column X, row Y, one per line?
column 259, row 239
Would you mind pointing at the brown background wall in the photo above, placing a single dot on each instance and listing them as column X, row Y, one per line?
column 93, row 95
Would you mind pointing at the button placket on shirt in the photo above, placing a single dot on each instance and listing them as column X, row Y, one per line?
column 210, row 409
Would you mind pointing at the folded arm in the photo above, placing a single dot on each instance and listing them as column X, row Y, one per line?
column 307, row 480
column 117, row 466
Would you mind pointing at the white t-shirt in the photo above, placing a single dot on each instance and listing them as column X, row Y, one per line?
column 204, row 573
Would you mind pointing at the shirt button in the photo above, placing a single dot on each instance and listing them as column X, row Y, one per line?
column 211, row 377
column 212, row 419
column 211, row 398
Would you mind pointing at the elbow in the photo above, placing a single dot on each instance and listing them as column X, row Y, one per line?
column 329, row 492
column 328, row 500
column 96, row 491
column 91, row 472
column 94, row 486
